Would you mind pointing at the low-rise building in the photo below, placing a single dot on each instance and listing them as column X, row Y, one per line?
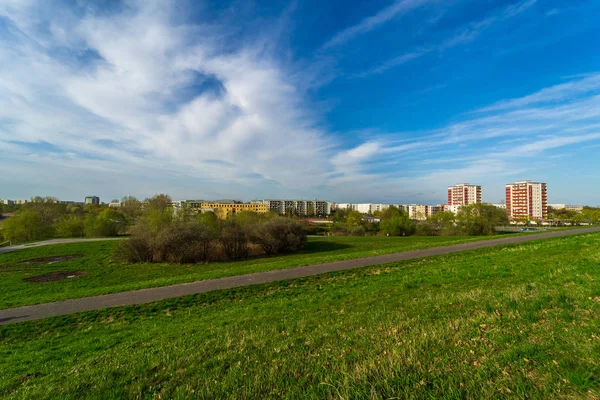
column 567, row 207
column 223, row 210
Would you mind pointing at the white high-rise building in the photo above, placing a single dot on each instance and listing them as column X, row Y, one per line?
column 526, row 199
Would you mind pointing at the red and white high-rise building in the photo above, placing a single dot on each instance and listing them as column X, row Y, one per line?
column 526, row 200
column 464, row 194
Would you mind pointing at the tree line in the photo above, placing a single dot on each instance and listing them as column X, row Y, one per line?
column 162, row 235
column 472, row 220
column 46, row 218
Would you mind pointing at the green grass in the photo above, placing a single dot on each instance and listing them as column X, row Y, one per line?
column 518, row 321
column 104, row 275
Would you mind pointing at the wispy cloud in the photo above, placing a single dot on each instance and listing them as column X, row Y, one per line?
column 496, row 146
column 461, row 36
column 397, row 9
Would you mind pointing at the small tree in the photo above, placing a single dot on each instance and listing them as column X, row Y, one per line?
column 395, row 222
column 131, row 208
column 234, row 239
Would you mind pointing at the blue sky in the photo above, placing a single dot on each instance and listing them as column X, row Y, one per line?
column 364, row 101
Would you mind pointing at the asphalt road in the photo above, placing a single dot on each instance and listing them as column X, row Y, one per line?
column 8, row 249
column 14, row 315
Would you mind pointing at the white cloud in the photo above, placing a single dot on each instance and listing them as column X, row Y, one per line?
column 111, row 95
column 256, row 125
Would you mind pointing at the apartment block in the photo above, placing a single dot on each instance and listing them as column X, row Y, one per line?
column 526, row 200
column 298, row 207
column 464, row 194
column 455, row 208
column 419, row 212
column 92, row 200
column 224, row 209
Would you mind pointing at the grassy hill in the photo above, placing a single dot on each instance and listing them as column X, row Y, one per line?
column 519, row 321
column 97, row 272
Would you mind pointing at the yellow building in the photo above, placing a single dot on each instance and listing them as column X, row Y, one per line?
column 225, row 209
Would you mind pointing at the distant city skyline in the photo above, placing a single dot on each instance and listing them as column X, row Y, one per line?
column 385, row 101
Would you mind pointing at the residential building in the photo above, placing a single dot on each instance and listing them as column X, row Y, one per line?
column 435, row 209
column 567, row 207
column 21, row 202
column 7, row 202
column 224, row 209
column 455, row 208
column 418, row 212
column 501, row 206
column 464, row 194
column 526, row 200
column 92, row 200
column 114, row 204
column 299, row 207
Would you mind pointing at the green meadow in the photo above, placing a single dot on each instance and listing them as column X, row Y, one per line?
column 516, row 321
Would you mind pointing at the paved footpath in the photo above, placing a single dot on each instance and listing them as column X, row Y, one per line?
column 8, row 249
column 13, row 315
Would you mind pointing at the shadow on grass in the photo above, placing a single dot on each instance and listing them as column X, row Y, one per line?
column 322, row 245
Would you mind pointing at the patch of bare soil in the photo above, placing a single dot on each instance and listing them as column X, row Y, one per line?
column 52, row 259
column 55, row 276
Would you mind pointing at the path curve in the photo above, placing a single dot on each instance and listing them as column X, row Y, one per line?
column 8, row 249
column 26, row 313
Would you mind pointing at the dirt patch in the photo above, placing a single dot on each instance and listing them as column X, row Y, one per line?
column 52, row 259
column 55, row 276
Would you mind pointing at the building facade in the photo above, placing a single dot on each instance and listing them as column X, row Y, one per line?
column 526, row 200
column 419, row 212
column 298, row 207
column 224, row 209
column 567, row 207
column 92, row 200
column 464, row 194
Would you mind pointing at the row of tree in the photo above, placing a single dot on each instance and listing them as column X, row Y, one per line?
column 46, row 217
column 472, row 220
column 587, row 215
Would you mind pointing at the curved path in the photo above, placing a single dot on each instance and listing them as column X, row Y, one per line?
column 8, row 249
column 13, row 315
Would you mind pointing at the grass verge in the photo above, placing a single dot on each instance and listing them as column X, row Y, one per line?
column 518, row 321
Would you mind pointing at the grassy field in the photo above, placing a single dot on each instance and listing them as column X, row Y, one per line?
column 103, row 275
column 519, row 321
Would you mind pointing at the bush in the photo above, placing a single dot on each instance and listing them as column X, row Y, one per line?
column 137, row 249
column 234, row 239
column 426, row 228
column 108, row 223
column 358, row 230
column 279, row 235
column 70, row 226
column 186, row 242
column 26, row 226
